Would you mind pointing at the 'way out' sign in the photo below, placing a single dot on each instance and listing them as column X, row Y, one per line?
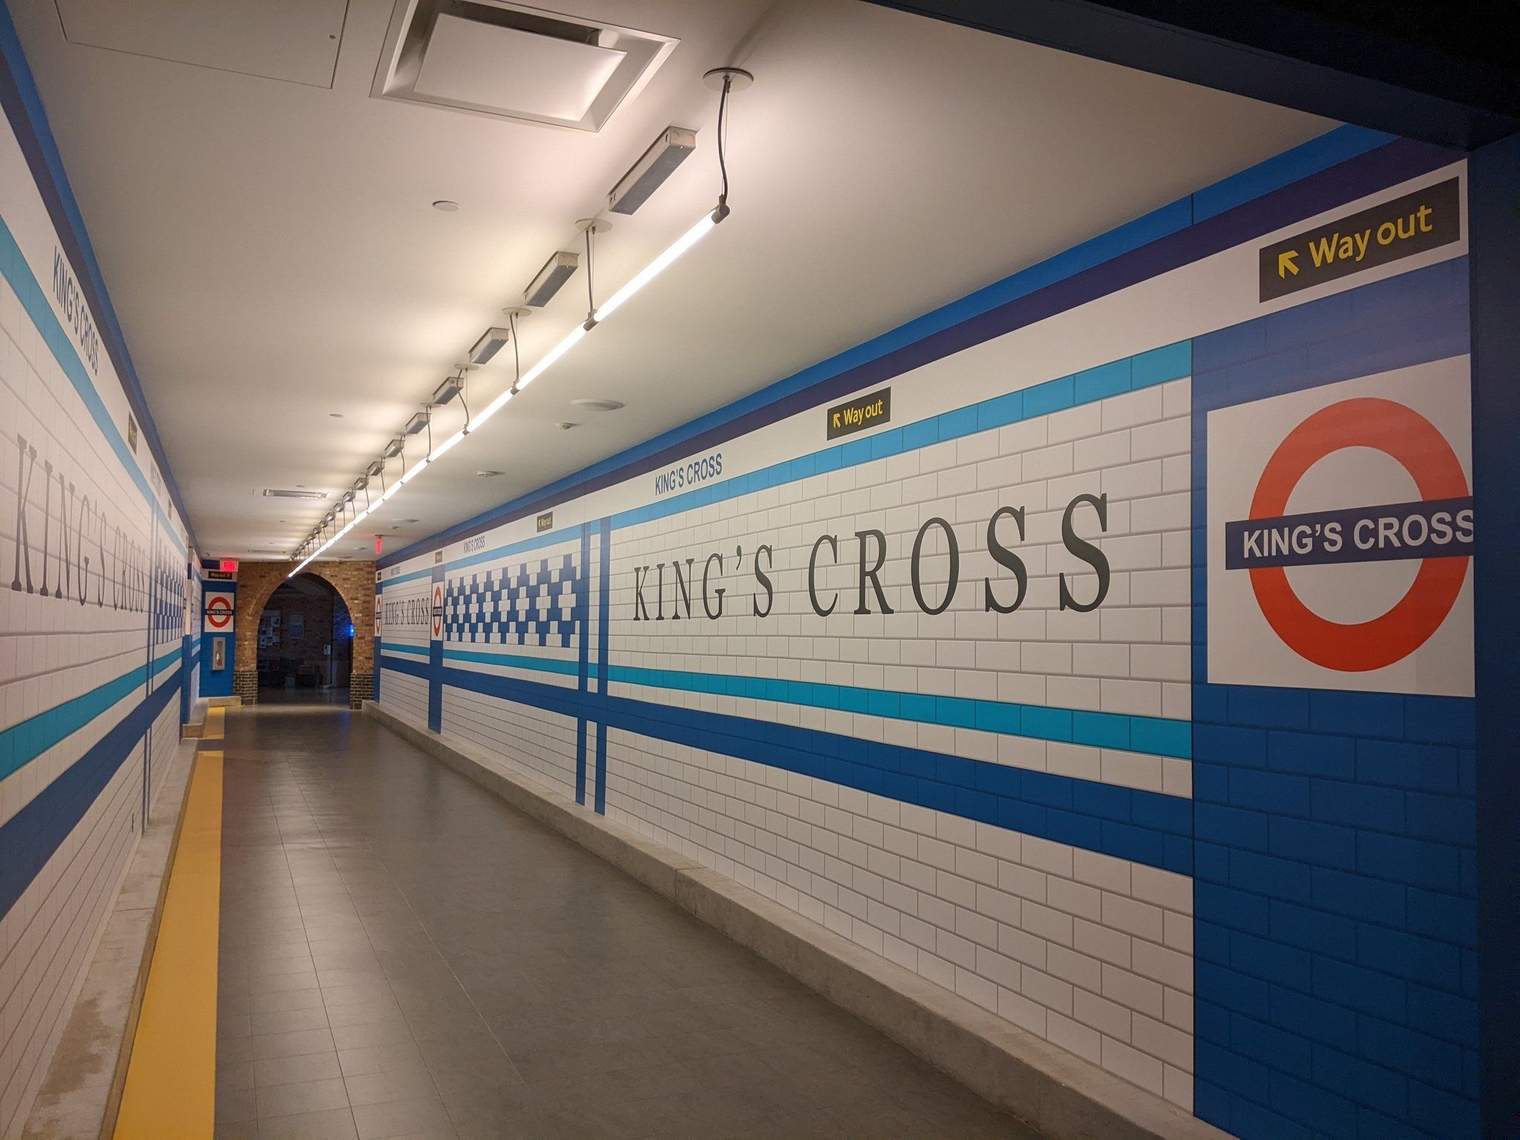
column 1403, row 227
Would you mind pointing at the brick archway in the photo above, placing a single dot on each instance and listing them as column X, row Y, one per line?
column 355, row 583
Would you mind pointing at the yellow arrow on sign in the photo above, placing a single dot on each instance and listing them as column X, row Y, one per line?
column 1287, row 263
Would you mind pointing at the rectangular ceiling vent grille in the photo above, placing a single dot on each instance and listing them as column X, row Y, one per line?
column 494, row 58
column 273, row 493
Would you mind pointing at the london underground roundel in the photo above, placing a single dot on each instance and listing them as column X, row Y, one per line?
column 1386, row 525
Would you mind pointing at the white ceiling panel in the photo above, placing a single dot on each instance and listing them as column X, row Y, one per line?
column 274, row 257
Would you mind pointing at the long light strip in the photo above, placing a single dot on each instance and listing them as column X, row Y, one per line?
column 658, row 265
column 611, row 305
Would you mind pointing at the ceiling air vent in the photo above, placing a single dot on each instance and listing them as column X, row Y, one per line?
column 273, row 493
column 501, row 59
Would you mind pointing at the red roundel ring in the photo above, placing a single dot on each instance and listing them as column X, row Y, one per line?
column 1414, row 442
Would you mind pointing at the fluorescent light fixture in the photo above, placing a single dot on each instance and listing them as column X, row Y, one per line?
column 555, row 353
column 416, row 423
column 491, row 409
column 489, row 344
column 389, row 491
column 394, row 448
column 448, row 389
column 648, row 174
column 412, row 472
column 658, row 265
column 556, row 271
column 446, row 445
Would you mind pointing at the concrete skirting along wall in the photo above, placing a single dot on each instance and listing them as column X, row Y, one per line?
column 1063, row 1096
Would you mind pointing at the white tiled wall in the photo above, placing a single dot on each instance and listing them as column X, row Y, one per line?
column 81, row 504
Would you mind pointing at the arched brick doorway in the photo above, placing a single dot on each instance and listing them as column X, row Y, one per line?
column 355, row 583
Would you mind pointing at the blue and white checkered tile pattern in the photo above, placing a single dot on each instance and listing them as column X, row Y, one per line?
column 533, row 600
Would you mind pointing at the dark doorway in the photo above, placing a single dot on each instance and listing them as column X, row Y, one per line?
column 306, row 641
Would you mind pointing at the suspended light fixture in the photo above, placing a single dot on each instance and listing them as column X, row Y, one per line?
column 656, row 164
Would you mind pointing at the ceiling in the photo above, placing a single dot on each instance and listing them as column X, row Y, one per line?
column 274, row 258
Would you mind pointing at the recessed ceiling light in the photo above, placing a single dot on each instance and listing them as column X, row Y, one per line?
column 488, row 474
column 598, row 405
column 446, row 206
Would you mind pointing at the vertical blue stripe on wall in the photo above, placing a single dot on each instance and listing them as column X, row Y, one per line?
column 1334, row 900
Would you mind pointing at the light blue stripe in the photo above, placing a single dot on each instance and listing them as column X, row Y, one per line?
column 1143, row 370
column 14, row 265
column 397, row 647
column 1153, row 736
column 412, row 577
column 25, row 741
column 514, row 661
column 553, row 538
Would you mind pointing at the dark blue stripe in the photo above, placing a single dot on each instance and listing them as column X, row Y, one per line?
column 1144, row 827
column 30, row 837
column 582, row 612
column 1144, row 249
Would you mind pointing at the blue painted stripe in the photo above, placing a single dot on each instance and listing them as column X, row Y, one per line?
column 19, row 274
column 398, row 647
column 30, row 837
column 26, row 740
column 1143, row 370
column 414, row 576
column 1152, row 736
column 514, row 661
column 1143, row 827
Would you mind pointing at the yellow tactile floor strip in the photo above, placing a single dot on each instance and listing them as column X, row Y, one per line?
column 170, row 1091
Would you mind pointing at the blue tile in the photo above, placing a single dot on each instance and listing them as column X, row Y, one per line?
column 1214, row 903
column 1357, row 714
column 1447, row 819
column 1232, row 989
column 1326, row 1112
column 1361, row 989
column 1100, row 730
column 1267, row 875
column 1410, row 956
column 1269, row 708
column 953, row 425
column 1051, row 396
column 1313, row 1019
column 1160, row 365
column 1314, row 754
column 1161, row 737
column 1443, row 1114
column 1271, row 961
column 1413, row 861
column 1314, row 930
column 1000, row 411
column 1453, row 1017
column 1358, row 805
column 1441, row 720
column 1359, row 896
column 1253, row 1122
column 1275, row 792
column 1233, row 826
column 1103, row 381
column 1322, row 844
column 1229, row 1070
column 1403, row 765
column 1445, row 916
column 1280, row 1051
column 1367, row 1084
column 1411, row 1052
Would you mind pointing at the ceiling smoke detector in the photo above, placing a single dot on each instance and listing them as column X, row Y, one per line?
column 597, row 405
column 515, row 62
column 566, row 425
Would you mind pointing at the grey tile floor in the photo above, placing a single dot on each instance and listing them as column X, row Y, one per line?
column 404, row 956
